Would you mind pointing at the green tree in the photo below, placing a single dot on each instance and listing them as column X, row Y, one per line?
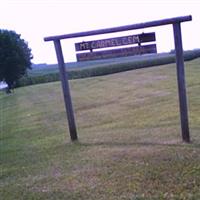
column 15, row 57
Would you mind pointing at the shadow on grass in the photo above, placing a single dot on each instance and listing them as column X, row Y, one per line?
column 139, row 144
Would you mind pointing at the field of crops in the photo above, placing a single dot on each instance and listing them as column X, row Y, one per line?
column 44, row 73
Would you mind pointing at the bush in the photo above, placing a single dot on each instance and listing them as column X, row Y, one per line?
column 28, row 80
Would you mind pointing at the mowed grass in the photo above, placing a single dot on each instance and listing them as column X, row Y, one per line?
column 129, row 147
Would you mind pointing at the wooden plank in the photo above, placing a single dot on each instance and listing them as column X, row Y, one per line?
column 181, row 82
column 116, row 53
column 147, row 37
column 66, row 91
column 116, row 41
column 122, row 28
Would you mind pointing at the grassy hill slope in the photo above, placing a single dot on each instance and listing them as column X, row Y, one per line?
column 129, row 139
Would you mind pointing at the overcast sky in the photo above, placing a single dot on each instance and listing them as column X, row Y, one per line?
column 36, row 19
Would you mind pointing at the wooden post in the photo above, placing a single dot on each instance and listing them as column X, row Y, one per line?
column 66, row 91
column 181, row 82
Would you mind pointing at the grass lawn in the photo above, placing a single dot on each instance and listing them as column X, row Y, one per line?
column 129, row 139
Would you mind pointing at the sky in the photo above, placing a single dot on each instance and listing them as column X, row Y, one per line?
column 36, row 19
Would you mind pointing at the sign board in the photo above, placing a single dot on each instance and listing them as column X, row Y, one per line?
column 175, row 22
column 130, row 51
column 115, row 42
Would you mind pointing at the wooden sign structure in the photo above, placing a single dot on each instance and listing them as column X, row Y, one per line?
column 175, row 22
column 115, row 42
